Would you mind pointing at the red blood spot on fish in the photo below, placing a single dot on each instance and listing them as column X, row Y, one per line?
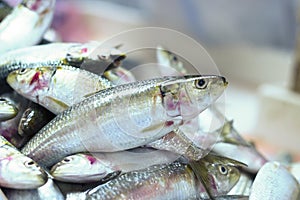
column 169, row 123
column 35, row 78
column 91, row 159
column 84, row 50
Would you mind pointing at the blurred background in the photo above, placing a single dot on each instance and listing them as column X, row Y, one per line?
column 252, row 42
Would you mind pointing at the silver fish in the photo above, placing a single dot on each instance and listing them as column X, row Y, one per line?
column 89, row 56
column 84, row 168
column 32, row 17
column 49, row 191
column 273, row 181
column 173, row 181
column 18, row 171
column 56, row 87
column 7, row 109
column 101, row 124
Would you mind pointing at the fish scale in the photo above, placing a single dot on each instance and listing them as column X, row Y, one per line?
column 80, row 128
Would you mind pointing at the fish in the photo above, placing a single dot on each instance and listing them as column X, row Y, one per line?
column 7, row 109
column 100, row 123
column 56, row 87
column 18, row 171
column 169, row 181
column 169, row 62
column 32, row 17
column 32, row 120
column 92, row 167
column 49, row 191
column 88, row 56
column 274, row 181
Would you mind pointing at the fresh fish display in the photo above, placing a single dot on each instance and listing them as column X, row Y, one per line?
column 18, row 171
column 101, row 124
column 83, row 167
column 89, row 56
column 56, row 87
column 32, row 17
column 173, row 181
column 7, row 109
column 273, row 181
column 49, row 191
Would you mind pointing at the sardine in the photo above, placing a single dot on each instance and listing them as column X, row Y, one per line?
column 7, row 109
column 173, row 181
column 49, row 191
column 18, row 171
column 89, row 56
column 273, row 181
column 84, row 168
column 56, row 87
column 100, row 123
column 31, row 17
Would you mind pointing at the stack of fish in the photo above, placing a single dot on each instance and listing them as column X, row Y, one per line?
column 78, row 126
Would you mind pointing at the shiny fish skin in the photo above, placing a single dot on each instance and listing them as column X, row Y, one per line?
column 7, row 109
column 273, row 181
column 32, row 17
column 84, row 168
column 101, row 124
column 173, row 181
column 18, row 171
column 74, row 54
column 56, row 87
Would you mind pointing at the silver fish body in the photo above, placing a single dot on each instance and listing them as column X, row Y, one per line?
column 32, row 17
column 7, row 109
column 56, row 87
column 84, row 168
column 172, row 181
column 18, row 171
column 273, row 181
column 89, row 56
column 49, row 191
column 101, row 124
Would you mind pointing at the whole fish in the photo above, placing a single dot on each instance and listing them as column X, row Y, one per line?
column 273, row 181
column 56, row 87
column 101, row 124
column 18, row 171
column 32, row 17
column 86, row 167
column 49, row 191
column 89, row 56
column 7, row 109
column 173, row 181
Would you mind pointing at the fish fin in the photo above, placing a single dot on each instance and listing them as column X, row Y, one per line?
column 201, row 174
column 231, row 136
column 57, row 102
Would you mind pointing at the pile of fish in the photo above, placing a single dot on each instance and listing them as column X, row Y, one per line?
column 78, row 126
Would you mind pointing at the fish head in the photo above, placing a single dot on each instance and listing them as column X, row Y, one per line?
column 219, row 174
column 187, row 96
column 31, row 82
column 80, row 167
column 7, row 109
column 20, row 171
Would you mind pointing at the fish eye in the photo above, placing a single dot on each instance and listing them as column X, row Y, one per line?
column 175, row 58
column 22, row 71
column 223, row 169
column 66, row 160
column 200, row 84
column 29, row 163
